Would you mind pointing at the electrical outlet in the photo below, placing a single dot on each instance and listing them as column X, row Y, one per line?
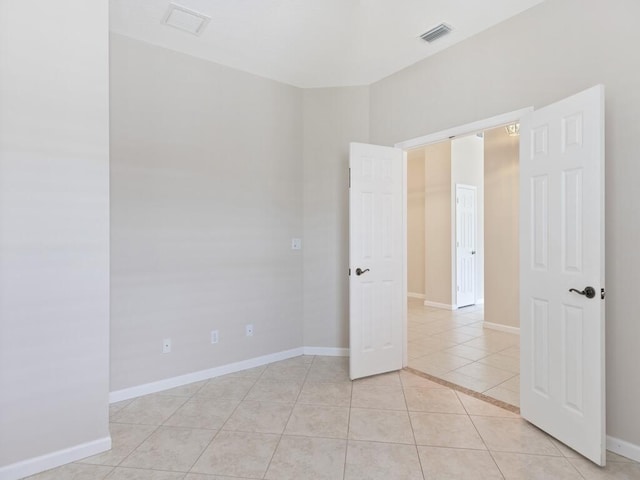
column 214, row 336
column 249, row 330
column 166, row 345
column 296, row 244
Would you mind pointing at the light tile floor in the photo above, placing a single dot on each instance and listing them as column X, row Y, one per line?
column 454, row 346
column 303, row 419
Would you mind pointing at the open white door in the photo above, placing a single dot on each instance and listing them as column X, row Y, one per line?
column 562, row 387
column 377, row 298
column 466, row 215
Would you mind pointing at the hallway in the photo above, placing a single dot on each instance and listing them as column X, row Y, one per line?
column 454, row 346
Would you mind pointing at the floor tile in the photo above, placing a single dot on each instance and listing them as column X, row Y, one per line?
column 456, row 464
column 445, row 430
column 318, row 421
column 260, row 417
column 285, row 373
column 412, row 380
column 74, row 471
column 485, row 373
column 438, row 363
column 512, row 384
column 276, row 391
column 507, row 396
column 470, row 353
column 474, row 406
column 238, row 454
column 234, row 388
column 379, row 397
column 332, row 394
column 149, row 410
column 171, row 449
column 381, row 461
column 121, row 473
column 534, row 467
column 613, row 470
column 380, row 426
column 203, row 412
column 308, row 458
column 117, row 406
column 471, row 383
column 328, row 373
column 125, row 438
column 513, row 435
column 503, row 362
column 420, row 399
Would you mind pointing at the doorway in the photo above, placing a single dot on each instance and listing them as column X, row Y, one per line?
column 462, row 319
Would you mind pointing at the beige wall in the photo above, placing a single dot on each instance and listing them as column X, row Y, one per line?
column 333, row 117
column 437, row 174
column 527, row 67
column 415, row 221
column 206, row 185
column 54, row 233
column 501, row 228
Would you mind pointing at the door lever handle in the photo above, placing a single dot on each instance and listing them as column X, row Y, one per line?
column 359, row 271
column 588, row 292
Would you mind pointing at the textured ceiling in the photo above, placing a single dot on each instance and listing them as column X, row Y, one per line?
column 314, row 43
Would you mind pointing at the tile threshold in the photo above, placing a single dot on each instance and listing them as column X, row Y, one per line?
column 466, row 391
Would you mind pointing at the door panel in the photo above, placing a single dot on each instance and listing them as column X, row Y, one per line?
column 376, row 246
column 562, row 247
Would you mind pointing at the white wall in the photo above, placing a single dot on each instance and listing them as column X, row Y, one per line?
column 206, row 188
column 542, row 55
column 333, row 117
column 54, row 233
column 467, row 168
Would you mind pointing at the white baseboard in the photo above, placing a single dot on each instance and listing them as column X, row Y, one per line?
column 327, row 351
column 623, row 448
column 445, row 306
column 160, row 385
column 51, row 460
column 416, row 295
column 501, row 328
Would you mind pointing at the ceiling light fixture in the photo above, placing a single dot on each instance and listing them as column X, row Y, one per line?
column 513, row 130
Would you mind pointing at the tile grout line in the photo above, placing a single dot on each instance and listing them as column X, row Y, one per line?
column 290, row 413
column 415, row 442
column 346, row 450
column 255, row 381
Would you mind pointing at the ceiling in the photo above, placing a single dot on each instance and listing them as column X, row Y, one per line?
column 314, row 43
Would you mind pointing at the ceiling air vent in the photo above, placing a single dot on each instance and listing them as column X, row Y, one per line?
column 185, row 19
column 435, row 33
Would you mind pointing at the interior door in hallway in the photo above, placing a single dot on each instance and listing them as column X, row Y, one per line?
column 377, row 256
column 562, row 387
column 466, row 244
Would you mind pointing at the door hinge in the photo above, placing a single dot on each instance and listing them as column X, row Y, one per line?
column 349, row 272
column 602, row 293
column 349, row 177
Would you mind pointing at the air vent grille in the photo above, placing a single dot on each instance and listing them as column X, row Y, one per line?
column 185, row 19
column 436, row 33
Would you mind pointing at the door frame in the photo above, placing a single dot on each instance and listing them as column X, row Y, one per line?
column 454, row 238
column 448, row 134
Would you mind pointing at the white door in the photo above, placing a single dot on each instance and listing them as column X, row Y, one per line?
column 465, row 245
column 377, row 298
column 562, row 387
